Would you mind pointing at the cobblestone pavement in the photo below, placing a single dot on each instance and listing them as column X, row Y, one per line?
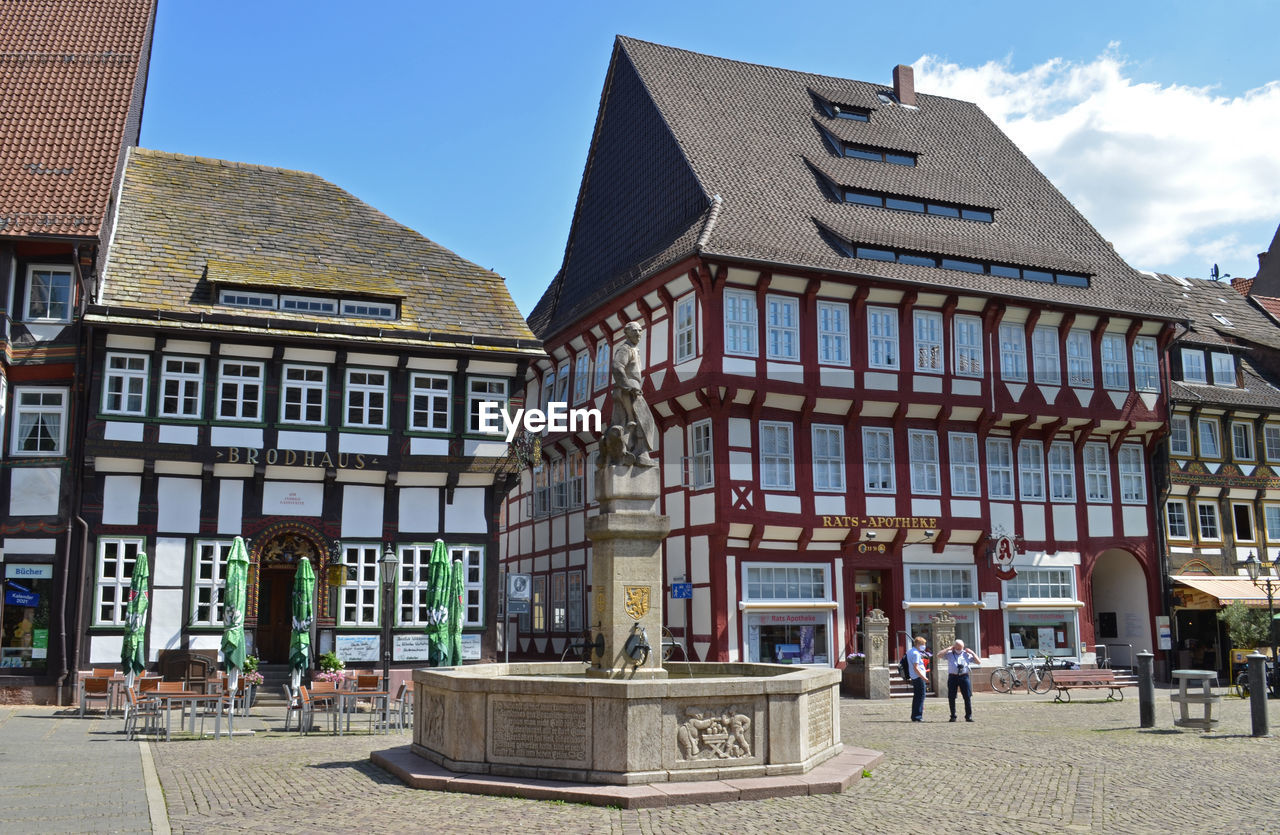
column 1025, row 765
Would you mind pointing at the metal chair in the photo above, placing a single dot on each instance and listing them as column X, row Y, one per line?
column 293, row 705
column 95, row 689
column 401, row 707
column 144, row 711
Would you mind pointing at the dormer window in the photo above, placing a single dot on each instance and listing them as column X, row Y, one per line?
column 311, row 305
column 845, row 111
column 1224, row 370
column 918, row 206
column 373, row 310
column 1193, row 369
column 244, row 298
column 308, row 304
column 873, row 154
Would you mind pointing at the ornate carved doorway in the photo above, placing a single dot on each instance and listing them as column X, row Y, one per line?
column 277, row 554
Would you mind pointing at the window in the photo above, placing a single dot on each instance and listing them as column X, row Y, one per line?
column 877, row 460
column 1271, row 513
column 1175, row 514
column 414, row 587
column 1209, row 447
column 1208, row 514
column 1146, row 364
column 1242, row 441
column 1044, row 355
column 309, row 304
column 602, row 364
column 39, row 427
column 949, row 584
column 366, row 399
column 923, row 451
column 575, row 601
column 882, row 337
column 874, row 154
column 787, row 582
column 1031, row 470
column 1041, row 583
column 1193, row 369
column 240, row 390
column 371, row 310
column 968, row 359
column 784, row 330
column 844, row 111
column 1079, row 359
column 246, row 298
column 207, row 583
column 576, row 480
column 124, row 391
column 542, row 489
column 740, row 323
column 538, row 603
column 182, row 388
column 928, row 341
column 582, row 378
column 1223, row 320
column 472, row 557
column 562, row 383
column 999, row 468
column 485, row 390
column 1133, row 480
column 559, row 615
column 1179, row 435
column 776, row 457
column 700, row 469
column 303, row 390
column 1115, row 367
column 1224, row 369
column 828, row 458
column 1062, row 472
column 48, row 294
column 920, row 207
column 559, row 486
column 360, row 595
column 115, row 573
column 1271, row 436
column 924, row 259
column 1013, row 353
column 964, row 464
column 1097, row 473
column 833, row 333
column 1242, row 516
column 429, row 396
column 686, row 328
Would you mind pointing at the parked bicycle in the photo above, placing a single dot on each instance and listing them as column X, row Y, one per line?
column 1037, row 678
column 1004, row 679
column 1242, row 680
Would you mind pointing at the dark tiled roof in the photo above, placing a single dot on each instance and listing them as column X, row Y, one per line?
column 753, row 134
column 72, row 76
column 184, row 220
column 1257, row 390
column 1197, row 300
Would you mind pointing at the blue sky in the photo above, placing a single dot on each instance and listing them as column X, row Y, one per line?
column 470, row 122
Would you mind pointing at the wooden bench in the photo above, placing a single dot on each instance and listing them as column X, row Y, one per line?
column 1068, row 680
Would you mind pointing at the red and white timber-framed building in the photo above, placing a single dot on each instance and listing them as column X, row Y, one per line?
column 878, row 342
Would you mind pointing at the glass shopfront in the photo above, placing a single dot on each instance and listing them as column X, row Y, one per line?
column 1048, row 632
column 789, row 638
column 25, row 617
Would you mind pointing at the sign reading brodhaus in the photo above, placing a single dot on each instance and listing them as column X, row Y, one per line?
column 557, row 418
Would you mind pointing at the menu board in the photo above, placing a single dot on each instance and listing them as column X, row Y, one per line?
column 357, row 647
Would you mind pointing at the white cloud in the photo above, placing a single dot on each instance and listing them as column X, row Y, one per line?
column 1168, row 173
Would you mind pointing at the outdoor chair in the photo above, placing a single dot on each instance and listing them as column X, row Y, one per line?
column 368, row 682
column 103, row 672
column 402, row 707
column 307, row 707
column 95, row 689
column 292, row 705
column 141, row 715
column 147, row 684
column 170, row 687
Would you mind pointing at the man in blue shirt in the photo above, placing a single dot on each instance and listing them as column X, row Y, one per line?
column 915, row 665
column 958, row 658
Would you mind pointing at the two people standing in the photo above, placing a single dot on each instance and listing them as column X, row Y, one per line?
column 959, row 658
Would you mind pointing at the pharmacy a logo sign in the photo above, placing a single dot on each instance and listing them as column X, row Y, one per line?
column 558, row 417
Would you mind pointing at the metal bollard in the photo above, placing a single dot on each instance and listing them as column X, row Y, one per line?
column 1146, row 690
column 1258, row 692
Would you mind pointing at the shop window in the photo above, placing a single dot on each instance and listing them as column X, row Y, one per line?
column 116, row 557
column 124, row 389
column 25, row 617
column 303, row 392
column 429, row 396
column 360, row 594
column 1046, row 632
column 208, row 582
column 788, row 636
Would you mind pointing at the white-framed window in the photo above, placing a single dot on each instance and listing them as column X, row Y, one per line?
column 304, row 390
column 1271, row 515
column 548, row 390
column 777, row 457
column 559, row 485
column 124, row 390
column 366, row 398
column 686, row 330
column 582, row 377
column 562, row 383
column 740, row 335
column 999, row 468
column 701, row 473
column 963, row 449
column 577, row 480
column 116, row 556
column 1224, row 369
column 828, row 458
column 542, row 488
column 1175, row 514
column 40, row 421
column 1013, row 353
column 1044, row 355
column 882, row 338
column 1062, row 472
column 1242, row 441
column 603, row 351
column 575, row 601
column 48, row 294
column 247, row 298
column 429, row 401
column 968, row 336
column 1041, row 584
column 928, row 341
column 1133, row 478
column 923, row 450
column 485, row 390
column 359, row 605
column 1207, row 515
column 182, row 387
column 1179, row 435
column 877, row 460
column 413, row 588
column 208, row 581
column 239, row 390
column 833, row 333
column 472, row 557
column 1242, row 518
column 309, row 304
column 1209, row 440
column 783, row 327
column 1079, row 359
column 368, row 309
column 1097, row 473
column 1146, row 364
column 946, row 583
column 764, row 582
column 1115, row 363
column 1193, row 368
column 1031, row 470
column 1271, row 438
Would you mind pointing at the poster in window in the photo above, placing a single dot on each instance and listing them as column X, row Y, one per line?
column 1046, row 635
column 806, row 645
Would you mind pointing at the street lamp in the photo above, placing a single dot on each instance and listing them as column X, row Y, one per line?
column 389, row 563
column 1254, row 567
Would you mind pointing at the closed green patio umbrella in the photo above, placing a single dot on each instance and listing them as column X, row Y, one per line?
column 233, row 608
column 439, row 584
column 304, row 590
column 132, row 652
column 455, row 614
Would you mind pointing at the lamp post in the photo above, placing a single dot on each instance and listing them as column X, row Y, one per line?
column 389, row 563
column 1254, row 567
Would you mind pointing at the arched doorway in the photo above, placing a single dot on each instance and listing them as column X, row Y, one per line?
column 276, row 555
column 1121, row 611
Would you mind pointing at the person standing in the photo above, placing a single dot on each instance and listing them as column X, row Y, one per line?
column 915, row 665
column 958, row 662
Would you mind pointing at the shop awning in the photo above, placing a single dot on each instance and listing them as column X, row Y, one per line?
column 1225, row 589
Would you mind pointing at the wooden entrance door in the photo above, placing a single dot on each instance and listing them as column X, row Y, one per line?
column 275, row 613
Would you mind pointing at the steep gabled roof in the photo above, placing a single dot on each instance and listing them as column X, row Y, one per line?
column 677, row 127
column 72, row 78
column 1216, row 314
column 1267, row 282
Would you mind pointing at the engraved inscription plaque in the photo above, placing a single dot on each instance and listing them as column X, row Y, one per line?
column 541, row 732
column 819, row 719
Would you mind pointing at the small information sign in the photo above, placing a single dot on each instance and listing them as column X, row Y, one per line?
column 682, row 591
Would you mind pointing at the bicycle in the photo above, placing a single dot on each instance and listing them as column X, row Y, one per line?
column 1242, row 679
column 1004, row 679
column 1037, row 678
column 1040, row 678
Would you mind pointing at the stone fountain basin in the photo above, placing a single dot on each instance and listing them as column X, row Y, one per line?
column 705, row 721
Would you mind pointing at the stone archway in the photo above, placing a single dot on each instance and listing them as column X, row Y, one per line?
column 274, row 559
column 1121, row 606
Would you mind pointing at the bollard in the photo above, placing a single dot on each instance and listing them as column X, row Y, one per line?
column 1258, row 692
column 1146, row 690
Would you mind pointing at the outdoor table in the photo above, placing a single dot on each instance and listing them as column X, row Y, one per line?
column 1184, row 698
column 194, row 698
column 355, row 695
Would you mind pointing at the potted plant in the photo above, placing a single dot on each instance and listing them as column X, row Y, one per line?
column 331, row 667
column 250, row 678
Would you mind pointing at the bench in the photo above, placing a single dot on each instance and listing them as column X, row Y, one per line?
column 1068, row 680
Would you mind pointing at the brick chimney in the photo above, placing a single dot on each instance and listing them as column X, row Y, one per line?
column 904, row 84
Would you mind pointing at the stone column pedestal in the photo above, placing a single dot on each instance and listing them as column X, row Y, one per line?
column 875, row 630
column 942, row 634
